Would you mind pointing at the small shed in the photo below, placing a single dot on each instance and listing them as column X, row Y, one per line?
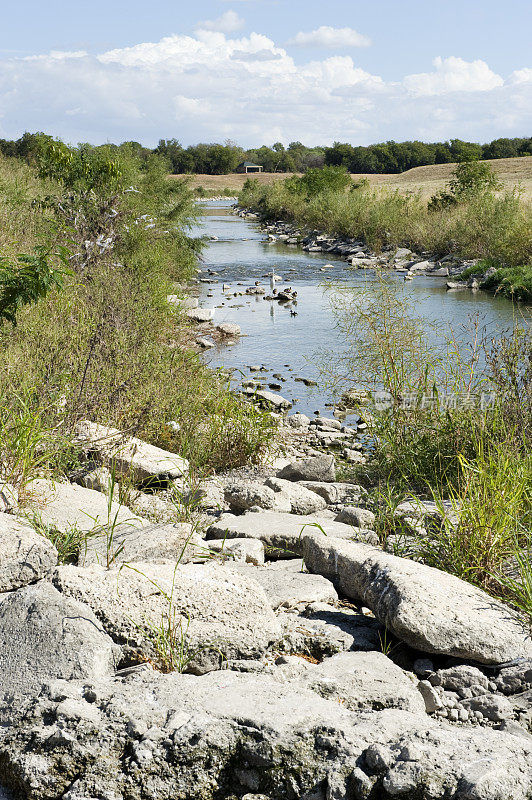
column 247, row 167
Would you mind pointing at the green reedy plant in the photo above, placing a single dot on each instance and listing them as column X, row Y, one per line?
column 69, row 543
column 29, row 444
column 169, row 637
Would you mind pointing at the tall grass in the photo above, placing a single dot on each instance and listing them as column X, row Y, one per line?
column 488, row 225
column 433, row 437
column 108, row 346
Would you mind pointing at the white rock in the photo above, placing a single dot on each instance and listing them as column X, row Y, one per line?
column 25, row 555
column 317, row 468
column 250, row 551
column 352, row 515
column 159, row 544
column 200, row 314
column 44, row 635
column 430, row 610
column 229, row 329
column 281, row 533
column 216, row 612
column 301, row 500
column 130, row 456
column 288, row 587
column 67, row 505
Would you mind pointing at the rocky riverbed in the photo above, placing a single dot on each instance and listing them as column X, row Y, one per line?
column 251, row 640
column 400, row 259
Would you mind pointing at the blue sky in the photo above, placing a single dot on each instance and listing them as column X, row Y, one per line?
column 258, row 71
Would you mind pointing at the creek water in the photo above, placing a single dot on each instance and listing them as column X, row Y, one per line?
column 288, row 345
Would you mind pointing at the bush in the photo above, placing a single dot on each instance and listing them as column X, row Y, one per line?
column 109, row 346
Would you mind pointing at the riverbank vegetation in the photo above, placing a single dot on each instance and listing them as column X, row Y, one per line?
column 451, row 423
column 87, row 330
column 471, row 219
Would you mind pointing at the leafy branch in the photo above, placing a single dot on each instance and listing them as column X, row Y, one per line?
column 29, row 278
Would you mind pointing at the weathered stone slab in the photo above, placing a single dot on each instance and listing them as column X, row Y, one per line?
column 317, row 468
column 281, row 533
column 25, row 555
column 67, row 505
column 177, row 735
column 365, row 680
column 214, row 612
column 287, row 587
column 129, row 455
column 335, row 492
column 428, row 609
column 159, row 544
column 45, row 635
column 301, row 500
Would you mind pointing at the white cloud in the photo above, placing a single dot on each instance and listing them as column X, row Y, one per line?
column 210, row 86
column 453, row 75
column 229, row 22
column 521, row 76
column 329, row 37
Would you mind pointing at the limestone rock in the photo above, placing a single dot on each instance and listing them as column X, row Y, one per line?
column 365, row 680
column 242, row 496
column 45, row 635
column 298, row 421
column 250, row 551
column 288, row 587
column 129, row 455
column 229, row 329
column 230, row 733
column 200, row 314
column 352, row 515
column 301, row 500
column 25, row 555
column 430, row 610
column 67, row 505
column 317, row 468
column 159, row 544
column 281, row 533
column 334, row 493
column 216, row 612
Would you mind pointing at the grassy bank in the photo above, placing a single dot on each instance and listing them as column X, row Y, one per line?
column 484, row 224
column 450, row 425
column 102, row 342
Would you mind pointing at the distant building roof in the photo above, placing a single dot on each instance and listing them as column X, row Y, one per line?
column 249, row 164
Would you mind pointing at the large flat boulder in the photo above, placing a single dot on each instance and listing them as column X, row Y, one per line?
column 207, row 612
column 130, row 456
column 159, row 544
column 318, row 468
column 25, row 556
column 301, row 500
column 322, row 630
column 280, row 532
column 334, row 493
column 365, row 680
column 46, row 635
column 229, row 733
column 430, row 610
column 244, row 495
column 67, row 505
column 288, row 587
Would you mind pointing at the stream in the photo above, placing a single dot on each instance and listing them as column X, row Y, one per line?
column 284, row 344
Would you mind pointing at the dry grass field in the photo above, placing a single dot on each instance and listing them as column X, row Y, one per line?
column 510, row 172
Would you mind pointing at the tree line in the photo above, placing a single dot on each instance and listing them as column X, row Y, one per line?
column 222, row 159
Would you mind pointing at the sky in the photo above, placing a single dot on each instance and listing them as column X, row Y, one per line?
column 262, row 71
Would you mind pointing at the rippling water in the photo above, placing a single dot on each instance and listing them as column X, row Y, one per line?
column 286, row 344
